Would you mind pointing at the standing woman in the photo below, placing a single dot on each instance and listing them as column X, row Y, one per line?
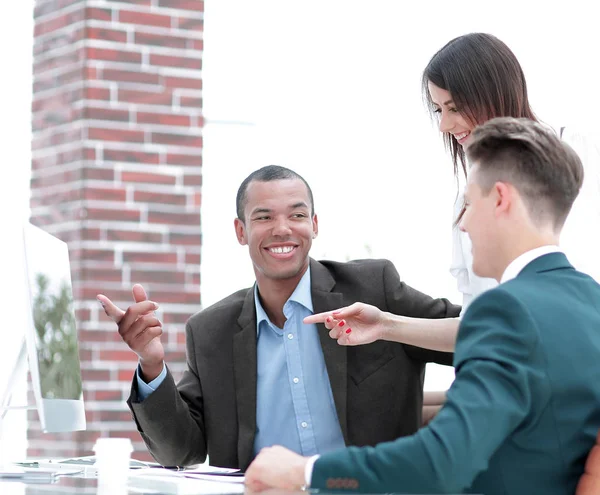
column 470, row 80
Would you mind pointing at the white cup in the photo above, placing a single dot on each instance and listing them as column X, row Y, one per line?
column 112, row 462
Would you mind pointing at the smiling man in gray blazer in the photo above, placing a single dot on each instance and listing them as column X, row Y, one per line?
column 256, row 374
column 524, row 410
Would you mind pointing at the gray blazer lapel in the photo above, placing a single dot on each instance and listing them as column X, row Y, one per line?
column 335, row 355
column 244, row 367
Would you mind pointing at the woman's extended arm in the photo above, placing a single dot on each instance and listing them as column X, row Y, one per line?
column 362, row 324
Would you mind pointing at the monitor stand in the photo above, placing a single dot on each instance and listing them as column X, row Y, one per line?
column 19, row 370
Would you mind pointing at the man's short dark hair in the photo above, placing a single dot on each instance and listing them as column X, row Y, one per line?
column 268, row 174
column 545, row 170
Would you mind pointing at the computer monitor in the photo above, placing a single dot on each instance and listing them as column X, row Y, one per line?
column 49, row 335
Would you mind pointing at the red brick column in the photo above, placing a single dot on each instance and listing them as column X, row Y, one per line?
column 116, row 172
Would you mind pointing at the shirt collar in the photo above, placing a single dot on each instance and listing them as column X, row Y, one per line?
column 520, row 262
column 301, row 295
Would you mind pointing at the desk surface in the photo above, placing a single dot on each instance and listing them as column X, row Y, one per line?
column 73, row 485
column 64, row 485
column 79, row 485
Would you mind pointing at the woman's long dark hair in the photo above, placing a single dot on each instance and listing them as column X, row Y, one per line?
column 485, row 80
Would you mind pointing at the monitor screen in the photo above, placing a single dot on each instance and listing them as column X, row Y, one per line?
column 52, row 333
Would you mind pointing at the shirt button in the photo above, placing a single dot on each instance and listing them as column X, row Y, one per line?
column 290, row 336
column 296, row 379
column 304, row 424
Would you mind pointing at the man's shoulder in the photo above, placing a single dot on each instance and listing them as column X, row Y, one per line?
column 227, row 308
column 356, row 267
column 507, row 308
column 495, row 324
column 504, row 297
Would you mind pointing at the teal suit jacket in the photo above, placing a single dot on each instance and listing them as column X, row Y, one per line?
column 524, row 409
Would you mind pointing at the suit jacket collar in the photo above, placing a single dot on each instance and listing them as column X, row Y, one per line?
column 245, row 360
column 545, row 263
column 521, row 261
column 324, row 299
column 244, row 368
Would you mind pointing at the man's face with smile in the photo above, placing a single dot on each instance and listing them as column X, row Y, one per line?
column 278, row 228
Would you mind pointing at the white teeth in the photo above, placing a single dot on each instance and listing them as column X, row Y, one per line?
column 461, row 135
column 281, row 250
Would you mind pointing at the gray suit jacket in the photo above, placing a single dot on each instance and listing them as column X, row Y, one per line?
column 377, row 388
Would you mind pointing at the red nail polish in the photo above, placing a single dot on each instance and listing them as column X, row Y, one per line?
column 349, row 330
column 341, row 323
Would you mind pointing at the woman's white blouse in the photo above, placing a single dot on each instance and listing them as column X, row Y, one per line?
column 580, row 238
column 461, row 268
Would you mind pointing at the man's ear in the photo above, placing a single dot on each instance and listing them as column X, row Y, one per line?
column 315, row 222
column 505, row 197
column 240, row 231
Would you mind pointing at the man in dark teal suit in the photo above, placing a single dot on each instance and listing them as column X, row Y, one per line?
column 524, row 409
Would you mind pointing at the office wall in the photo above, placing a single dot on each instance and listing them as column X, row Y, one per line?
column 116, row 173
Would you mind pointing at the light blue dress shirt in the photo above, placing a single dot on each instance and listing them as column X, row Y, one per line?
column 294, row 401
column 145, row 389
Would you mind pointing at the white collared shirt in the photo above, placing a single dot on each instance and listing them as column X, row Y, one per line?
column 520, row 262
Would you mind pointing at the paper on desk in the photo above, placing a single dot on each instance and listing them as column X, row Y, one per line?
column 207, row 473
column 179, row 483
column 213, row 473
column 204, row 469
column 222, row 478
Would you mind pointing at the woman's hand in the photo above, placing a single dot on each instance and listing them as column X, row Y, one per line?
column 357, row 324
